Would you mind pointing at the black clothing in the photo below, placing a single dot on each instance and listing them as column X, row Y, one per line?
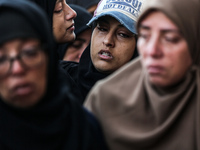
column 84, row 3
column 57, row 121
column 48, row 6
column 83, row 73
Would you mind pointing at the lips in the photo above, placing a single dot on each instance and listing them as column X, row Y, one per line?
column 105, row 54
column 155, row 69
column 22, row 89
column 71, row 27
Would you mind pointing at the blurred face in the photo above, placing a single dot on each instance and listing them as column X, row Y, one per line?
column 24, row 83
column 76, row 48
column 165, row 53
column 63, row 22
column 112, row 45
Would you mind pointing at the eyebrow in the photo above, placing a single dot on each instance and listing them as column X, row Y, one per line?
column 162, row 30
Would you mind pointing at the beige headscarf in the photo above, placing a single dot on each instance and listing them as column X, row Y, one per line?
column 134, row 114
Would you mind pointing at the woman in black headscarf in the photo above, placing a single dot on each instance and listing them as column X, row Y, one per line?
column 37, row 110
column 61, row 18
column 72, row 51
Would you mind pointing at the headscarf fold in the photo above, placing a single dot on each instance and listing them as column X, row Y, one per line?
column 135, row 114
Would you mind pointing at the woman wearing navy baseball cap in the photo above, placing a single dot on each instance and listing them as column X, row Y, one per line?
column 113, row 43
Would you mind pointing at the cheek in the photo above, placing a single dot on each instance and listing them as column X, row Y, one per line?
column 127, row 51
column 183, row 61
column 140, row 46
column 57, row 25
column 3, row 88
column 41, row 77
column 95, row 44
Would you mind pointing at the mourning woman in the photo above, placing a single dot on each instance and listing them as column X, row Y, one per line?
column 154, row 102
column 37, row 110
column 61, row 18
column 72, row 51
column 113, row 44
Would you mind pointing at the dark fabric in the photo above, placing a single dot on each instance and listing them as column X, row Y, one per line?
column 48, row 6
column 83, row 73
column 82, row 18
column 84, row 3
column 57, row 122
column 17, row 30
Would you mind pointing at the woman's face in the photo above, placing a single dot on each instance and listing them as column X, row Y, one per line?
column 76, row 48
column 112, row 45
column 164, row 51
column 63, row 22
column 25, row 82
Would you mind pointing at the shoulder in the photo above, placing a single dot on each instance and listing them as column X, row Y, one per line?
column 69, row 67
column 112, row 91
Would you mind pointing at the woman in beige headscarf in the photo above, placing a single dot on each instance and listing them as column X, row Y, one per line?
column 153, row 103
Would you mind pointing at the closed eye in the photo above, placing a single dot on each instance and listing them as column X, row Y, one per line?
column 30, row 53
column 124, row 35
column 58, row 11
column 101, row 28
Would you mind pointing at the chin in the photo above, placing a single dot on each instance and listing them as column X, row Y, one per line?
column 104, row 71
column 70, row 38
column 160, row 83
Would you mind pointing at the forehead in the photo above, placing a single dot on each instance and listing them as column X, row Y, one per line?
column 157, row 19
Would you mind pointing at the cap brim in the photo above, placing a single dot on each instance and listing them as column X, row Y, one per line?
column 130, row 24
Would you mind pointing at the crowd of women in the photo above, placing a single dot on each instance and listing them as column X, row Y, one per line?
column 134, row 83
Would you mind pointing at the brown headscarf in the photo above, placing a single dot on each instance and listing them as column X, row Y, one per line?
column 136, row 115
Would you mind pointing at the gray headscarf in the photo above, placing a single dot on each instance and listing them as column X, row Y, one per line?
column 136, row 115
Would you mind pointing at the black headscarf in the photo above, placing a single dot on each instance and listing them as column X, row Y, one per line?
column 57, row 122
column 83, row 17
column 84, row 3
column 48, row 6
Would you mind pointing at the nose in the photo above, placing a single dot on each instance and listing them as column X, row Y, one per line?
column 154, row 48
column 69, row 12
column 17, row 67
column 109, row 40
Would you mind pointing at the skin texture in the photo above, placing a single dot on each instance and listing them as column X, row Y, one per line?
column 76, row 48
column 23, row 87
column 115, row 40
column 63, row 22
column 165, row 53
